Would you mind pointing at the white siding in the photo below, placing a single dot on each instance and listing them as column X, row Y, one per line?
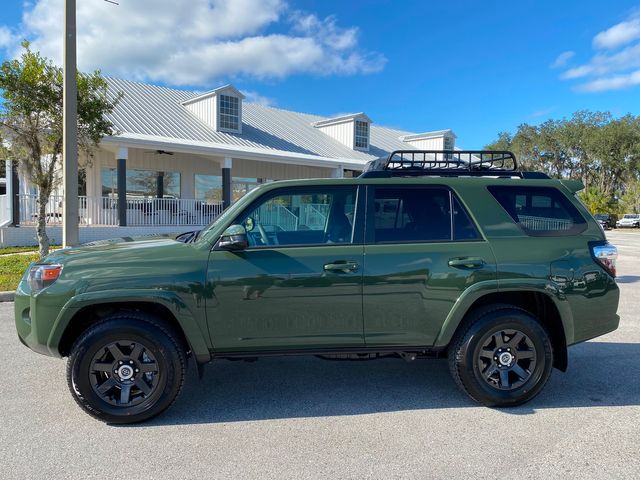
column 206, row 110
column 342, row 132
column 432, row 143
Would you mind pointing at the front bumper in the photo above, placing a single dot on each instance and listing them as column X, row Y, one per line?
column 35, row 317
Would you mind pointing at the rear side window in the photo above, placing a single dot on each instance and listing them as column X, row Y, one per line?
column 540, row 211
column 419, row 214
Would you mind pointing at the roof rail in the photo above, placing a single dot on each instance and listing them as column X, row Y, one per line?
column 447, row 163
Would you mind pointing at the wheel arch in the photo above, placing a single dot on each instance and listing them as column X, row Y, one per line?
column 553, row 314
column 79, row 315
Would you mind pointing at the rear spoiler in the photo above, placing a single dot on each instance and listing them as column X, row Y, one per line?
column 574, row 186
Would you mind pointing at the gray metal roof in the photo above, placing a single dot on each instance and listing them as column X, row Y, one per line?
column 154, row 111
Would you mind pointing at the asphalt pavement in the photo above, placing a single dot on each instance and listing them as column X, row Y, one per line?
column 307, row 418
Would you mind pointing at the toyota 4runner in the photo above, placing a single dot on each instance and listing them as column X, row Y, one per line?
column 452, row 254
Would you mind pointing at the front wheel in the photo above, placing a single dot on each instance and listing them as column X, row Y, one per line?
column 126, row 369
column 501, row 357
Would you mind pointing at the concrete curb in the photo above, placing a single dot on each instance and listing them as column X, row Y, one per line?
column 7, row 296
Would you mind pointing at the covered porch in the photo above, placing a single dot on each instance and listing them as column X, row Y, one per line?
column 167, row 185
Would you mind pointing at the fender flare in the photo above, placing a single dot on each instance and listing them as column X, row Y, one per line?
column 197, row 338
column 480, row 289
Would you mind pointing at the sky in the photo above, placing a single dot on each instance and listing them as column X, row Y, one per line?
column 476, row 67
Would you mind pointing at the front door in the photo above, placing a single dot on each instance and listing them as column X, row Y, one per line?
column 422, row 251
column 299, row 284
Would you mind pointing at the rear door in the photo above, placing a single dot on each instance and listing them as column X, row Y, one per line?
column 422, row 251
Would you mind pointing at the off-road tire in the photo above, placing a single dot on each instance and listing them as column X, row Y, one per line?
column 160, row 342
column 466, row 361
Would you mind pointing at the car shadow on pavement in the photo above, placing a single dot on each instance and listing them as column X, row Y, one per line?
column 628, row 279
column 600, row 374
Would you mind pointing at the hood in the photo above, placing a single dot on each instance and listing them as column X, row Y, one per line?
column 118, row 250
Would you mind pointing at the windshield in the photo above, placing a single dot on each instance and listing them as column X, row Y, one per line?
column 632, row 216
column 202, row 233
column 601, row 216
column 229, row 212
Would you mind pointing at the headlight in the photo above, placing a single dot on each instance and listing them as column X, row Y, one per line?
column 41, row 276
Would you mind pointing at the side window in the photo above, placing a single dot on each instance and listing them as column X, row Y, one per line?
column 463, row 227
column 302, row 217
column 540, row 211
column 411, row 215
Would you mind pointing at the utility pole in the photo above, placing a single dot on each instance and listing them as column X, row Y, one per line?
column 70, row 234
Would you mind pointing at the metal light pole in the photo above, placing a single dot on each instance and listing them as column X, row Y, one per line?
column 70, row 234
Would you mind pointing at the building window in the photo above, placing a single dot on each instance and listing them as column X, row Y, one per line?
column 229, row 112
column 209, row 188
column 142, row 183
column 362, row 135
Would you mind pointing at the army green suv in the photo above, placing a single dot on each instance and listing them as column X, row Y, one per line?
column 427, row 254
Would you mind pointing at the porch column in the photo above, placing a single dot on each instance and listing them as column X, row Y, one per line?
column 160, row 185
column 226, row 182
column 13, row 191
column 123, row 155
column 338, row 172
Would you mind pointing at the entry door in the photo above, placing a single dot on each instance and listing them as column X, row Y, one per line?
column 422, row 252
column 299, row 284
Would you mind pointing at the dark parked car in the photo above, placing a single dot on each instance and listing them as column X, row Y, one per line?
column 426, row 254
column 607, row 220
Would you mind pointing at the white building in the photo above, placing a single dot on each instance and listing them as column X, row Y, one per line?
column 180, row 157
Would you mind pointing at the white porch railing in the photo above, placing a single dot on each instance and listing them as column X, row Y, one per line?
column 5, row 211
column 543, row 223
column 140, row 211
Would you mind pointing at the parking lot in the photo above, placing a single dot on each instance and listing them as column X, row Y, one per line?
column 308, row 418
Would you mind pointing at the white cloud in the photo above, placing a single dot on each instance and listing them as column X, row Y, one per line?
column 616, row 82
column 620, row 34
column 542, row 112
column 562, row 59
column 6, row 37
column 602, row 64
column 252, row 96
column 614, row 66
column 198, row 43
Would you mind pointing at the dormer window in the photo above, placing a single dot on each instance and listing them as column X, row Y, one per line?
column 351, row 130
column 361, row 140
column 229, row 112
column 221, row 109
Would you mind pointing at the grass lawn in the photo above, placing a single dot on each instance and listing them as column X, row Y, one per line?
column 11, row 269
column 8, row 250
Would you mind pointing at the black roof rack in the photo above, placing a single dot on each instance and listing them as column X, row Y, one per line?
column 500, row 163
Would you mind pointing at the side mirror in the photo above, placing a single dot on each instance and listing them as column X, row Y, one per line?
column 234, row 238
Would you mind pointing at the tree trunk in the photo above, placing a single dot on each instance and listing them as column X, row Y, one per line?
column 41, row 229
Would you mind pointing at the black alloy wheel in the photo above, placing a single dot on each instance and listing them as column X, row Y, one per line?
column 127, row 368
column 501, row 356
column 124, row 373
column 507, row 359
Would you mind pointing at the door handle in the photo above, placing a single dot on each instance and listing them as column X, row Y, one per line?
column 466, row 262
column 341, row 266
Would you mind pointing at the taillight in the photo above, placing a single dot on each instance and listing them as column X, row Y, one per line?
column 41, row 276
column 606, row 255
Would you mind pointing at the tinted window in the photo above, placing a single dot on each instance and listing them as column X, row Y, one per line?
column 418, row 215
column 540, row 211
column 302, row 218
column 463, row 229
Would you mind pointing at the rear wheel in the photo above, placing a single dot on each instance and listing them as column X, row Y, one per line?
column 501, row 357
column 126, row 369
